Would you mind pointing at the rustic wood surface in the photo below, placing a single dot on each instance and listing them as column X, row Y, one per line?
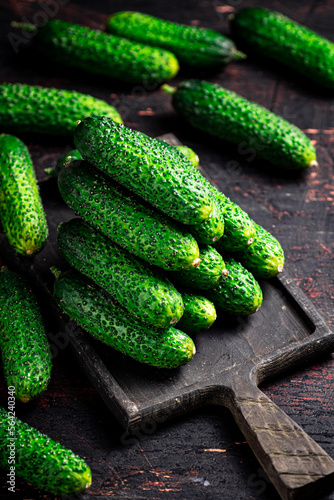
column 202, row 454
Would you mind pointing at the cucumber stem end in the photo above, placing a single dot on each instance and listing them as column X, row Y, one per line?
column 168, row 89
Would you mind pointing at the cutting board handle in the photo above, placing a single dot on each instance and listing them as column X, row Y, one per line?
column 297, row 466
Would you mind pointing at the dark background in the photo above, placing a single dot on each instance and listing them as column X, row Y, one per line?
column 202, row 455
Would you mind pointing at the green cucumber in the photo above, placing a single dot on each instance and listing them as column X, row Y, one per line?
column 239, row 227
column 265, row 256
column 103, row 54
column 151, row 168
column 199, row 313
column 33, row 456
column 270, row 34
column 204, row 276
column 212, row 230
column 141, row 289
column 44, row 110
column 189, row 154
column 229, row 116
column 126, row 219
column 193, row 46
column 100, row 315
column 21, row 210
column 25, row 351
column 237, row 292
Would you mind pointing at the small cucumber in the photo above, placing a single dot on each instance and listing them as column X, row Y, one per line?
column 100, row 315
column 150, row 167
column 237, row 292
column 239, row 227
column 43, row 110
column 193, row 46
column 199, row 313
column 21, row 210
column 138, row 287
column 126, row 219
column 25, row 351
column 103, row 54
column 39, row 460
column 229, row 116
column 204, row 276
column 265, row 256
column 270, row 34
column 211, row 230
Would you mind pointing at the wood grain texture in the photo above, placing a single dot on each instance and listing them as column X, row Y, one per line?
column 201, row 455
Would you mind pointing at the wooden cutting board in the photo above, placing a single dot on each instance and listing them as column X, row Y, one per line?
column 232, row 359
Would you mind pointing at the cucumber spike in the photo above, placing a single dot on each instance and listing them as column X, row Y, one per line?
column 55, row 271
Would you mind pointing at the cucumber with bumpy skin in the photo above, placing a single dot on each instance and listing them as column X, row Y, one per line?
column 100, row 315
column 103, row 54
column 265, row 256
column 126, row 219
column 272, row 35
column 204, row 276
column 21, row 210
column 43, row 110
column 229, row 116
column 237, row 292
column 143, row 291
column 193, row 46
column 151, row 168
column 199, row 313
column 239, row 227
column 25, row 351
column 39, row 460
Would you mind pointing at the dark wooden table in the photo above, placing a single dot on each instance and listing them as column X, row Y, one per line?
column 202, row 455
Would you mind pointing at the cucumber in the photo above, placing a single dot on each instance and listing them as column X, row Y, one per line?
column 199, row 313
column 237, row 292
column 25, row 351
column 265, row 256
column 103, row 54
column 100, row 315
column 212, row 230
column 150, row 167
column 189, row 154
column 204, row 276
column 239, row 227
column 229, row 116
column 33, row 456
column 44, row 110
column 21, row 210
column 126, row 219
column 193, row 46
column 270, row 34
column 142, row 290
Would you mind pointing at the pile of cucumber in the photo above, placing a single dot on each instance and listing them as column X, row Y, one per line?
column 156, row 251
column 150, row 237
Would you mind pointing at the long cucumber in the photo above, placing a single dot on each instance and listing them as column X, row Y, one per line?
column 44, row 110
column 21, row 210
column 140, row 288
column 100, row 315
column 231, row 117
column 150, row 167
